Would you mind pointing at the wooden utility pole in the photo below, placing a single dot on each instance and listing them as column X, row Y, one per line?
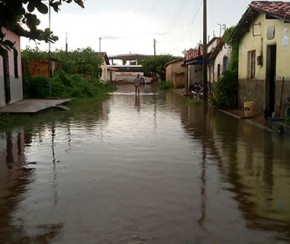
column 154, row 46
column 66, row 44
column 100, row 44
column 204, row 52
column 49, row 49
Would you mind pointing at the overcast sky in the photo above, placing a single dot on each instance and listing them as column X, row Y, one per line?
column 130, row 26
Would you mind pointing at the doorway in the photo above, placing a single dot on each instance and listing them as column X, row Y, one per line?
column 271, row 79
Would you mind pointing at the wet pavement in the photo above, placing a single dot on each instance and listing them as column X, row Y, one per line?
column 33, row 105
column 147, row 169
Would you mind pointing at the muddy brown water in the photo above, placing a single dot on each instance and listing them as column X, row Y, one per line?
column 147, row 169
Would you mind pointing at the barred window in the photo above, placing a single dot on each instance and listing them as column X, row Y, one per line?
column 251, row 64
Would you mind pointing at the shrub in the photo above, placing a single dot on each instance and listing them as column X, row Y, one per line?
column 38, row 87
column 226, row 91
column 165, row 85
column 64, row 85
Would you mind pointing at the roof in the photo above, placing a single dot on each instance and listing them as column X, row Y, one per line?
column 130, row 56
column 273, row 9
column 104, row 56
column 174, row 61
column 213, row 39
column 197, row 60
column 216, row 51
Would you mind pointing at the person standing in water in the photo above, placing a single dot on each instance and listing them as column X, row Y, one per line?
column 137, row 83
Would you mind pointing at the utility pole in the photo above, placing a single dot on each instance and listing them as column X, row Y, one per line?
column 204, row 52
column 154, row 46
column 100, row 44
column 66, row 44
column 49, row 49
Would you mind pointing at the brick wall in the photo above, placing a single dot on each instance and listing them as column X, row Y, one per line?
column 38, row 67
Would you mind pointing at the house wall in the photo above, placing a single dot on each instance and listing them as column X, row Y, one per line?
column 12, row 158
column 219, row 60
column 16, row 88
column 105, row 74
column 255, row 89
column 177, row 74
column 168, row 73
column 212, row 45
column 41, row 67
column 194, row 73
column 2, row 91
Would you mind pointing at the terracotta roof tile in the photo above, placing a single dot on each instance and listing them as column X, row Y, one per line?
column 276, row 8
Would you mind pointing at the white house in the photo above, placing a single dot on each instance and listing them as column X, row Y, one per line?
column 218, row 57
column 104, row 66
column 11, row 88
column 219, row 60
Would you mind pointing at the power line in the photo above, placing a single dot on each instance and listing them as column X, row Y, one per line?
column 193, row 19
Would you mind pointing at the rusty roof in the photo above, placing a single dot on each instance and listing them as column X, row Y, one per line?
column 274, row 9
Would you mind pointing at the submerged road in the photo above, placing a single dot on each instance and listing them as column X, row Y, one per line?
column 147, row 169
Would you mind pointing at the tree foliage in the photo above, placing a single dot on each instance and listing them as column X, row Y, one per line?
column 20, row 16
column 64, row 85
column 80, row 61
column 226, row 88
column 156, row 65
column 234, row 47
column 226, row 91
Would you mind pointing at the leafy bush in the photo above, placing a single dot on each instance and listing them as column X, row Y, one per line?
column 80, row 61
column 164, row 85
column 226, row 91
column 156, row 65
column 38, row 87
column 192, row 102
column 64, row 85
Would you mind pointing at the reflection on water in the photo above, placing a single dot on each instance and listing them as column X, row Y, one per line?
column 142, row 169
column 16, row 174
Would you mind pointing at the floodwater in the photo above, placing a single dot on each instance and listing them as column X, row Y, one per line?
column 147, row 169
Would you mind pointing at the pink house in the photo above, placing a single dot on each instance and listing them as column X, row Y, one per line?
column 11, row 88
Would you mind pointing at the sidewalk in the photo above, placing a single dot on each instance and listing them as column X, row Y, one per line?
column 258, row 121
column 33, row 105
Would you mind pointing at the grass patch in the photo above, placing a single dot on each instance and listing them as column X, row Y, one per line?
column 164, row 85
column 192, row 102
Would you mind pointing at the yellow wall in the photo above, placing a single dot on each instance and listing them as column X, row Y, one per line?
column 250, row 42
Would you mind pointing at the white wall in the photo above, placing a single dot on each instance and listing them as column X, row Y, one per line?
column 16, row 87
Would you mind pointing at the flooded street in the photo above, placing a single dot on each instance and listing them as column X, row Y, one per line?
column 146, row 169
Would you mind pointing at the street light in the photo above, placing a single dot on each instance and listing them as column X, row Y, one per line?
column 220, row 25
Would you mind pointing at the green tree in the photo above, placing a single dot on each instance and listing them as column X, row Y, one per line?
column 156, row 65
column 235, row 49
column 20, row 17
column 226, row 88
column 80, row 61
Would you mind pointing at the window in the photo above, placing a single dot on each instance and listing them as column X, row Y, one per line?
column 15, row 57
column 225, row 64
column 219, row 71
column 251, row 64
